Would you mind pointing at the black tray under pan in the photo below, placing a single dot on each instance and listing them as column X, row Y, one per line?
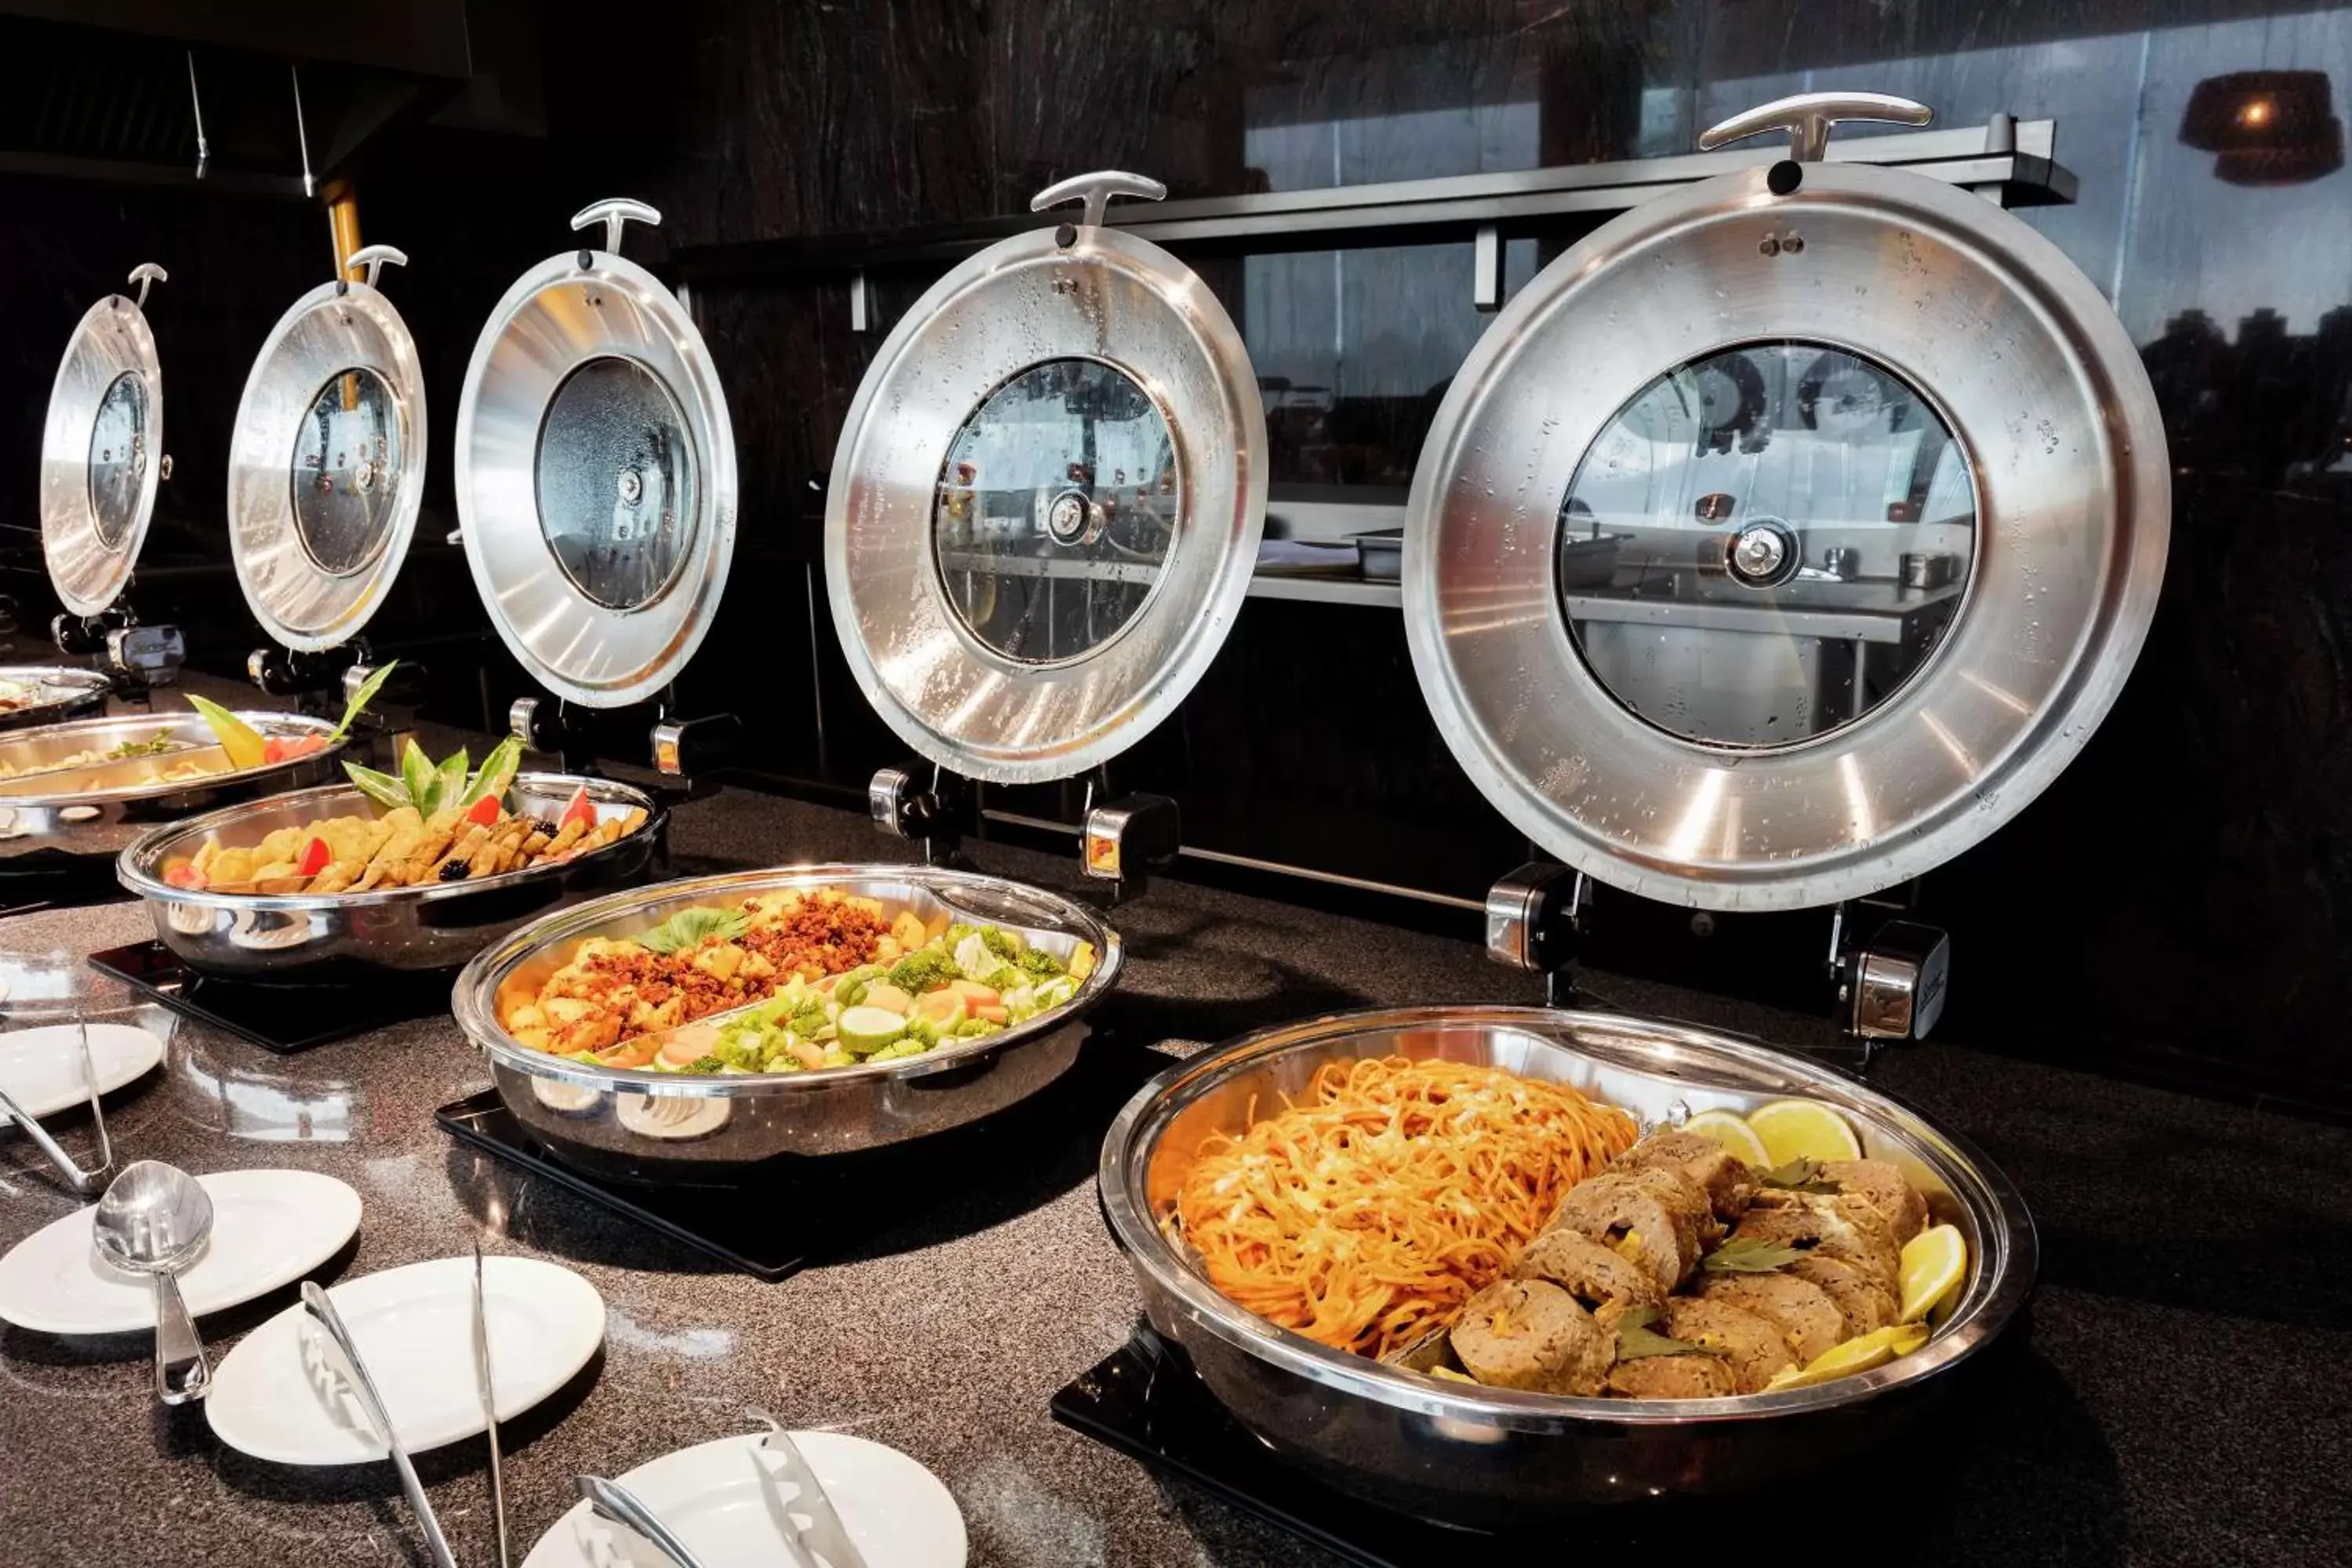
column 283, row 1018
column 1144, row 1401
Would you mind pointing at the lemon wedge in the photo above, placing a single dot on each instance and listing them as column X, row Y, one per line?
column 1860, row 1354
column 241, row 740
column 1730, row 1129
column 1933, row 1262
column 1802, row 1130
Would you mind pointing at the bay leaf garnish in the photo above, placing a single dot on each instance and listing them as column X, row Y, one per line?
column 1746, row 1254
column 1802, row 1174
column 1636, row 1339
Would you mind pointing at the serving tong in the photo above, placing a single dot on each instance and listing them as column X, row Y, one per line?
column 353, row 1373
column 793, row 1494
column 83, row 1181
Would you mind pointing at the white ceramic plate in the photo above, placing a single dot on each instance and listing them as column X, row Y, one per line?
column 898, row 1513
column 41, row 1068
column 414, row 1326
column 270, row 1228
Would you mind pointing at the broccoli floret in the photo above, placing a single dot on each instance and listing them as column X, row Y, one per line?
column 973, row 1028
column 739, row 1049
column 704, row 1065
column 925, row 969
column 808, row 1018
column 1041, row 964
column 838, row 1058
column 909, row 1046
column 958, row 931
column 1001, row 943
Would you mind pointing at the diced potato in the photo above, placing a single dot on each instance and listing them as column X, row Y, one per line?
column 907, row 926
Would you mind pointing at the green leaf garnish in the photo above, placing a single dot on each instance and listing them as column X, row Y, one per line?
column 689, row 926
column 1636, row 1339
column 497, row 771
column 1802, row 1174
column 381, row 788
column 156, row 747
column 1746, row 1254
column 418, row 776
column 449, row 779
column 361, row 699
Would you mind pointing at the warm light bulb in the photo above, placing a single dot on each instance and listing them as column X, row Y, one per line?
column 2258, row 112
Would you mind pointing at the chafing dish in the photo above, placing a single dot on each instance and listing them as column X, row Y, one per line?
column 83, row 813
column 1485, row 1458
column 50, row 694
column 652, row 1126
column 439, row 926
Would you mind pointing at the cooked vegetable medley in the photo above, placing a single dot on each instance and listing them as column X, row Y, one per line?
column 837, row 980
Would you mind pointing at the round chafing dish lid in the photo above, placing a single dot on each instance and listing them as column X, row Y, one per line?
column 327, row 464
column 595, row 472
column 1046, row 502
column 102, row 449
column 1789, row 534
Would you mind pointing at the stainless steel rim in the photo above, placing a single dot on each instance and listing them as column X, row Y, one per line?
column 56, row 690
column 475, row 1000
column 334, row 328
column 2001, row 1288
column 557, row 317
column 94, row 732
column 1107, row 296
column 2041, row 385
column 111, row 341
column 134, row 868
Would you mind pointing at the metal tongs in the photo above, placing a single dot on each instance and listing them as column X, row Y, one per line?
column 83, row 1181
column 354, row 1372
column 613, row 1503
column 822, row 1535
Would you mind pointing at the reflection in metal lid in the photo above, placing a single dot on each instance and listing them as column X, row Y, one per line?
column 1046, row 502
column 1786, row 535
column 101, row 450
column 327, row 463
column 595, row 473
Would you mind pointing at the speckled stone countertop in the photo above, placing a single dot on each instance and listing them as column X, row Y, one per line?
column 2182, row 1397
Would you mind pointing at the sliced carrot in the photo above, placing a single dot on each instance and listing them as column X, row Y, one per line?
column 973, row 992
column 994, row 1012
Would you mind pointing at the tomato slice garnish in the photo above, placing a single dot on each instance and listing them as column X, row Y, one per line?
column 316, row 857
column 578, row 809
column 484, row 812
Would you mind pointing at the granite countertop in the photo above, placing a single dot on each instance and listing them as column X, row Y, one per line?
column 2180, row 1396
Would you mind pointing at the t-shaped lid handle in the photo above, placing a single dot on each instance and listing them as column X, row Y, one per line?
column 146, row 274
column 1808, row 116
column 1098, row 188
column 373, row 258
column 612, row 212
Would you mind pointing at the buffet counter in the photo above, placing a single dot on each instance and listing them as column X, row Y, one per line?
column 2178, row 1396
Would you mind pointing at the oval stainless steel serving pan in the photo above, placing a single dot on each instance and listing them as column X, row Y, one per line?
column 306, row 936
column 1497, row 1458
column 54, row 694
column 654, row 1127
column 87, row 815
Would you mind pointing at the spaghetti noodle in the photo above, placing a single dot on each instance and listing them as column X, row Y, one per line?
column 1364, row 1214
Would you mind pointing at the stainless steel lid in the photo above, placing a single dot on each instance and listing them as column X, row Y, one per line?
column 327, row 464
column 596, row 472
column 1046, row 502
column 1787, row 535
column 102, row 449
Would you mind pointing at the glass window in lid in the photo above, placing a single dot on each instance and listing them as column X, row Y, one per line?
column 1055, row 509
column 616, row 482
column 346, row 472
column 1766, row 543
column 118, row 459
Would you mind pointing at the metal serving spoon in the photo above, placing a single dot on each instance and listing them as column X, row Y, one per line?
column 154, row 1220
